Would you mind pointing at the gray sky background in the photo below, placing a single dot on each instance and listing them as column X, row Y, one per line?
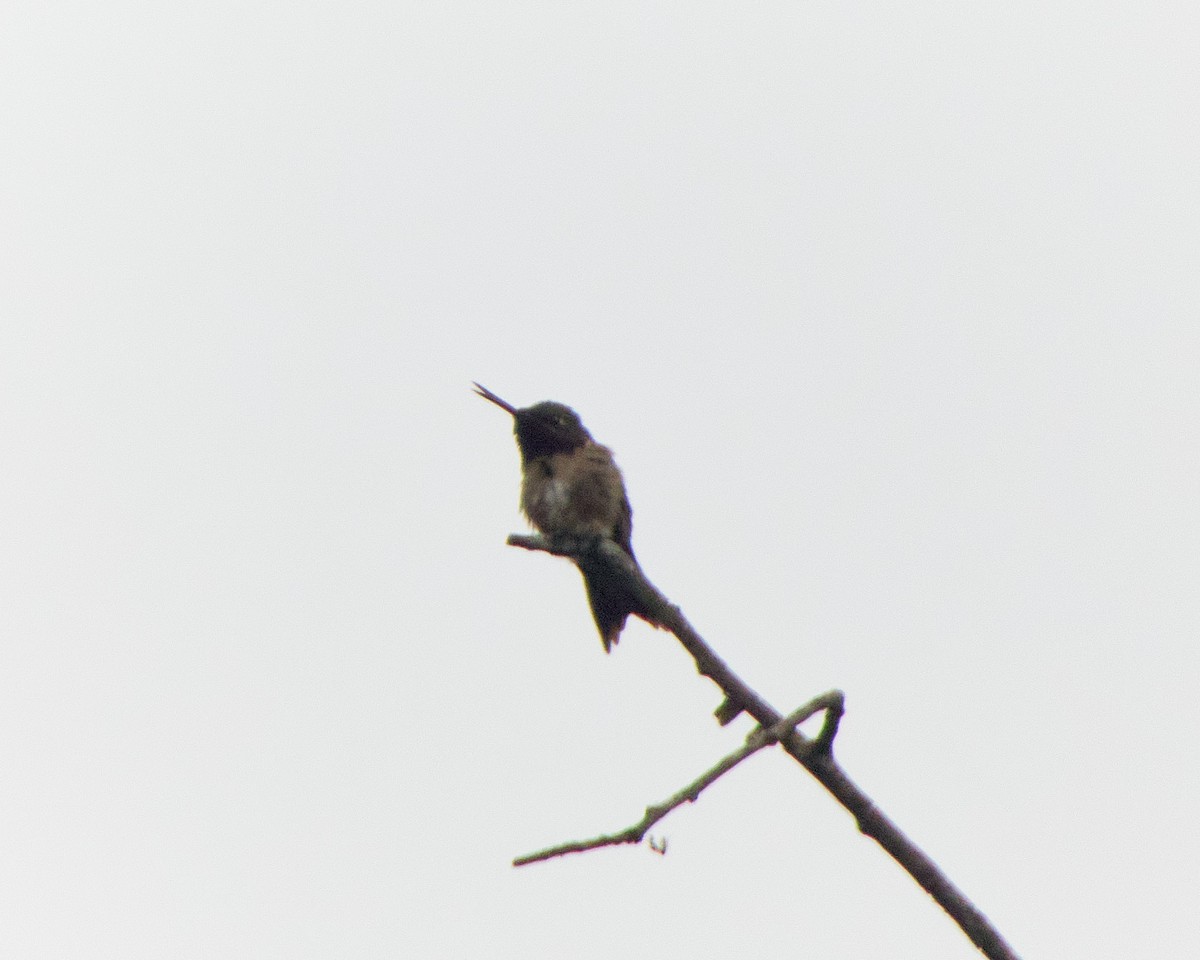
column 890, row 314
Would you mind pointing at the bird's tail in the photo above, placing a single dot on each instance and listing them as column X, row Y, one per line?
column 610, row 602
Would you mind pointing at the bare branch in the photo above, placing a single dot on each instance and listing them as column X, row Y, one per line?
column 815, row 755
column 755, row 741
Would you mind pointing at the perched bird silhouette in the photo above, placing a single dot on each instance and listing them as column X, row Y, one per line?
column 570, row 484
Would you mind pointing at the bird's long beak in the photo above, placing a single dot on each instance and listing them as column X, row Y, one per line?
column 488, row 395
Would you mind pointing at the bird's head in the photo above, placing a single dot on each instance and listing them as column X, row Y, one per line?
column 545, row 428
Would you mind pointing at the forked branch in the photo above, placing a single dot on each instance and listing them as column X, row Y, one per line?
column 815, row 755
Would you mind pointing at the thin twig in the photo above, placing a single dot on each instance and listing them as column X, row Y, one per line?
column 814, row 755
column 758, row 738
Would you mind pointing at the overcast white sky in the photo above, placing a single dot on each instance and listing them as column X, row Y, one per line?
column 890, row 312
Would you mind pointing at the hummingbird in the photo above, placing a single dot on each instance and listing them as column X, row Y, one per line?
column 570, row 484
